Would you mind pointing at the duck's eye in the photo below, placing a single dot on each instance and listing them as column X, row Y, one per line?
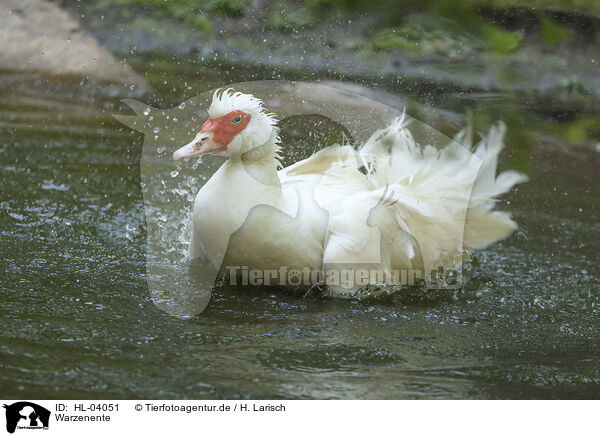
column 237, row 119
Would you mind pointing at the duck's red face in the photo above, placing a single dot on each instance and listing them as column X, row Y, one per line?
column 215, row 135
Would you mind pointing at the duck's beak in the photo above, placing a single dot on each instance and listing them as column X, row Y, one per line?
column 203, row 143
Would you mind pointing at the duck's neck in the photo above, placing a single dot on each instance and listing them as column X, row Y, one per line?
column 262, row 162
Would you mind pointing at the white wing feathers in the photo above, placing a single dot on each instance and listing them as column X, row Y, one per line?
column 434, row 192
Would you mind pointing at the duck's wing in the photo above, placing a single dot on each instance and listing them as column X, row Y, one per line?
column 319, row 164
column 331, row 176
column 335, row 182
column 442, row 197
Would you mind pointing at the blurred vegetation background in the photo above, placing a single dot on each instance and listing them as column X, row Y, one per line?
column 533, row 65
column 410, row 24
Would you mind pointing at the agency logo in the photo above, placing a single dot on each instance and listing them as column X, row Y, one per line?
column 26, row 415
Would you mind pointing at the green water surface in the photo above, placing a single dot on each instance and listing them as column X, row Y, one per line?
column 77, row 321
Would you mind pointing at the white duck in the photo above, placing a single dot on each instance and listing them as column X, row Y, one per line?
column 410, row 207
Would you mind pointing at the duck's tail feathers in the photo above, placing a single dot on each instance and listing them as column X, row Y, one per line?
column 484, row 225
column 444, row 190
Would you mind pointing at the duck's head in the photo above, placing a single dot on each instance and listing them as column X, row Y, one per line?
column 237, row 123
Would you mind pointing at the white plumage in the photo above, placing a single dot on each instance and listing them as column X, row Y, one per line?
column 392, row 204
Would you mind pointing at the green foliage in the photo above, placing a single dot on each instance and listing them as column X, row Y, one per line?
column 552, row 34
column 199, row 22
column 582, row 129
column 393, row 39
column 395, row 8
column 573, row 86
column 585, row 6
column 146, row 14
column 230, row 8
column 577, row 132
column 502, row 41
column 348, row 5
column 148, row 25
column 427, row 33
column 287, row 17
column 183, row 10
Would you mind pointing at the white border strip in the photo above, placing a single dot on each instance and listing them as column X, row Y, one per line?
column 320, row 417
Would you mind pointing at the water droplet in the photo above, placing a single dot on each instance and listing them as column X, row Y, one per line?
column 146, row 111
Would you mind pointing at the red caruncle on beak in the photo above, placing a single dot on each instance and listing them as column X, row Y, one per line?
column 226, row 127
